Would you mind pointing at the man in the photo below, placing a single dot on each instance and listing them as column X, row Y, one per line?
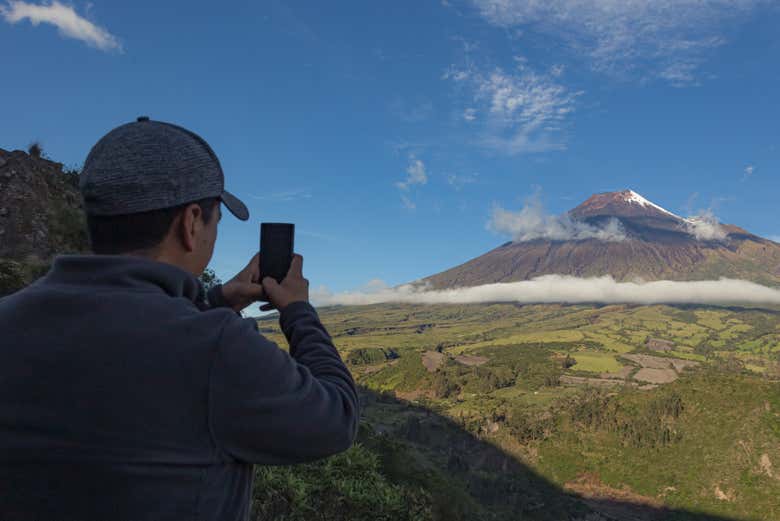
column 126, row 392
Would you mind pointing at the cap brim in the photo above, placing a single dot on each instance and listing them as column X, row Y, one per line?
column 235, row 205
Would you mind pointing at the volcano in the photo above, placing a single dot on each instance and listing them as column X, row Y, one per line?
column 646, row 242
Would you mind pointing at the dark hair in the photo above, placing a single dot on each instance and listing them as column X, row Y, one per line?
column 116, row 234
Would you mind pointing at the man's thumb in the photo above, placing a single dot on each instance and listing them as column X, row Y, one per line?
column 270, row 285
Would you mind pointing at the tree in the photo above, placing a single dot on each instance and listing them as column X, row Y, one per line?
column 209, row 279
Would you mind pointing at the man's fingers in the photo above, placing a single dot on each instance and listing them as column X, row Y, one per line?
column 257, row 292
column 270, row 285
column 296, row 266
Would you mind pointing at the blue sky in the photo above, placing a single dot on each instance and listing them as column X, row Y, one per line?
column 389, row 132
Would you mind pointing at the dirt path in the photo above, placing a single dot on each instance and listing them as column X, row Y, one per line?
column 597, row 382
column 471, row 359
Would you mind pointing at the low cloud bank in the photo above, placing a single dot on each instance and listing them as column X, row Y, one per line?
column 532, row 222
column 561, row 288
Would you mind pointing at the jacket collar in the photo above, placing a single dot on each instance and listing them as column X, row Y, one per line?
column 125, row 271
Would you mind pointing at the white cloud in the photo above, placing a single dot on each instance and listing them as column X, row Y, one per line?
column 408, row 203
column 669, row 39
column 532, row 222
column 458, row 181
column 525, row 110
column 775, row 238
column 561, row 288
column 705, row 226
column 68, row 22
column 415, row 174
column 748, row 171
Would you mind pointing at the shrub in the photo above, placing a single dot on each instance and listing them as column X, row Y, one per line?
column 366, row 356
column 637, row 421
column 209, row 279
column 13, row 276
column 35, row 149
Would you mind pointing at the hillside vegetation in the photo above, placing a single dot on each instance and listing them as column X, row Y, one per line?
column 559, row 411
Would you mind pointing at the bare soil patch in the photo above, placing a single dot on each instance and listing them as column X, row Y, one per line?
column 680, row 365
column 653, row 362
column 471, row 359
column 656, row 376
column 432, row 360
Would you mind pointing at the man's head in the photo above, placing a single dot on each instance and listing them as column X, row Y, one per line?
column 152, row 188
column 182, row 235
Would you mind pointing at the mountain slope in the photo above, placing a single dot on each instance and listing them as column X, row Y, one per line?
column 657, row 245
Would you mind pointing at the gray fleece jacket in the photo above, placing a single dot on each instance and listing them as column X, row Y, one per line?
column 125, row 396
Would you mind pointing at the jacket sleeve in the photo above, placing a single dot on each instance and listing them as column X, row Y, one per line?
column 270, row 407
column 214, row 298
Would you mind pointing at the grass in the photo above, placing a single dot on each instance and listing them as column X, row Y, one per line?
column 595, row 362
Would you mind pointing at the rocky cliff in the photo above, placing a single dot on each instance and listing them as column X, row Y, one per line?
column 41, row 215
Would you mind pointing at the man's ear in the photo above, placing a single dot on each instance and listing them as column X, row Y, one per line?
column 189, row 225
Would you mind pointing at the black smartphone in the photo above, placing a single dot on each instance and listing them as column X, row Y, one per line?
column 276, row 249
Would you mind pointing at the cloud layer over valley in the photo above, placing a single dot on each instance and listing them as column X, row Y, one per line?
column 560, row 288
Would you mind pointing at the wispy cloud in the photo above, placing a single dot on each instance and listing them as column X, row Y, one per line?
column 560, row 288
column 65, row 18
column 285, row 196
column 705, row 226
column 415, row 174
column 411, row 113
column 532, row 222
column 748, row 171
column 458, row 181
column 669, row 39
column 520, row 111
column 407, row 203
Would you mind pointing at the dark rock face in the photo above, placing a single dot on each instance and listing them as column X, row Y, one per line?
column 40, row 209
column 657, row 247
column 41, row 215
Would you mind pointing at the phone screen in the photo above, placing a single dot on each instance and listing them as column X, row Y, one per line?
column 276, row 249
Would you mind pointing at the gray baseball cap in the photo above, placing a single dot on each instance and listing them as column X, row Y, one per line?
column 148, row 165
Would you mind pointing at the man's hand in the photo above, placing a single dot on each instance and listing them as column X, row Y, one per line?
column 245, row 288
column 293, row 288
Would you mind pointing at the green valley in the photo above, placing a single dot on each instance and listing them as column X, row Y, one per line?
column 504, row 411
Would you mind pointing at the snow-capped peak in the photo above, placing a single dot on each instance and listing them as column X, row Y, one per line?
column 633, row 197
